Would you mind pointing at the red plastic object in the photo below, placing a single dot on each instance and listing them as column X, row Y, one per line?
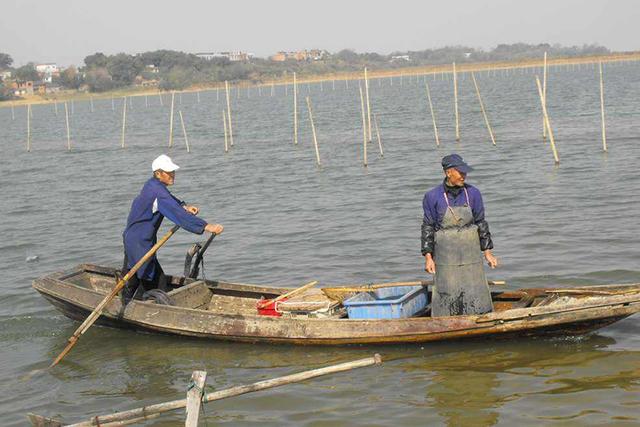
column 267, row 307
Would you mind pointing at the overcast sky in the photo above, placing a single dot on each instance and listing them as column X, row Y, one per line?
column 65, row 31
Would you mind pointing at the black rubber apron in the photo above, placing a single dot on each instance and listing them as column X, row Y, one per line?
column 460, row 284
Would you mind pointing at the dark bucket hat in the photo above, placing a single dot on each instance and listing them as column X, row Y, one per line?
column 455, row 161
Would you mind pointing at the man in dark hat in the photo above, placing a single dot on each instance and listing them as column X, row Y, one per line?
column 454, row 233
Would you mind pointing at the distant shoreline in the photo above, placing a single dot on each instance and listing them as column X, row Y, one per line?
column 68, row 95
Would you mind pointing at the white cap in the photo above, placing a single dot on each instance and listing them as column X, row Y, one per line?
column 164, row 162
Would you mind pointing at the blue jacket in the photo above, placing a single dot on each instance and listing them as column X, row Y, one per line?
column 147, row 212
column 434, row 206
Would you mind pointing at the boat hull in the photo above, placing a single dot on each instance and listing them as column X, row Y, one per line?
column 580, row 315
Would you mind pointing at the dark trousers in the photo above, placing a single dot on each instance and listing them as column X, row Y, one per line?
column 136, row 287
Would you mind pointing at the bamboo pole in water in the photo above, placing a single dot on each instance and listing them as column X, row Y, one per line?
column 146, row 101
column 72, row 107
column 366, row 89
column 13, row 112
column 375, row 120
column 544, row 93
column 604, row 132
column 433, row 115
column 547, row 123
column 230, row 127
column 295, row 110
column 55, row 106
column 364, row 128
column 226, row 138
column 124, row 120
column 160, row 97
column 184, row 131
column 28, row 128
column 91, row 103
column 198, row 96
column 113, row 105
column 173, row 99
column 66, row 116
column 484, row 113
column 146, row 412
column 313, row 131
column 455, row 98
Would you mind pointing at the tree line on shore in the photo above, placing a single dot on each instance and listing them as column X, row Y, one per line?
column 178, row 70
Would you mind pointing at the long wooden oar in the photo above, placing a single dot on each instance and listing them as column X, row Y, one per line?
column 98, row 310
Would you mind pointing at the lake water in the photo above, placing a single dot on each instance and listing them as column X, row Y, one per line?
column 288, row 221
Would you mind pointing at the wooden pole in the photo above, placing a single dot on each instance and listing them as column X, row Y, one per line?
column 91, row 103
column 546, row 122
column 160, row 97
column 217, row 94
column 173, row 99
column 198, row 96
column 313, row 131
column 146, row 101
column 90, row 320
column 229, row 126
column 366, row 89
column 433, row 115
column 604, row 132
column 13, row 112
column 113, row 104
column 364, row 128
column 544, row 94
column 194, row 397
column 28, row 128
column 484, row 113
column 55, row 106
column 66, row 116
column 375, row 120
column 124, row 120
column 295, row 110
column 226, row 138
column 184, row 131
column 230, row 392
column 455, row 99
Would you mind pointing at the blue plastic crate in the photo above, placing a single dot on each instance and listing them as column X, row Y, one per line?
column 387, row 303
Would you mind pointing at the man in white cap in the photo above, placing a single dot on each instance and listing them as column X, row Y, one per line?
column 147, row 212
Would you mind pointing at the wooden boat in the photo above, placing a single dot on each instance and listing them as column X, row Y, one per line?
column 227, row 311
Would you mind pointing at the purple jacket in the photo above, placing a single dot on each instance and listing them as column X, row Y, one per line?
column 434, row 206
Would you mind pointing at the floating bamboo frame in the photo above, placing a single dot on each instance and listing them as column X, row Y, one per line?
column 364, row 128
column 433, row 115
column 547, row 123
column 484, row 113
column 313, row 131
column 604, row 131
column 455, row 100
column 184, row 131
